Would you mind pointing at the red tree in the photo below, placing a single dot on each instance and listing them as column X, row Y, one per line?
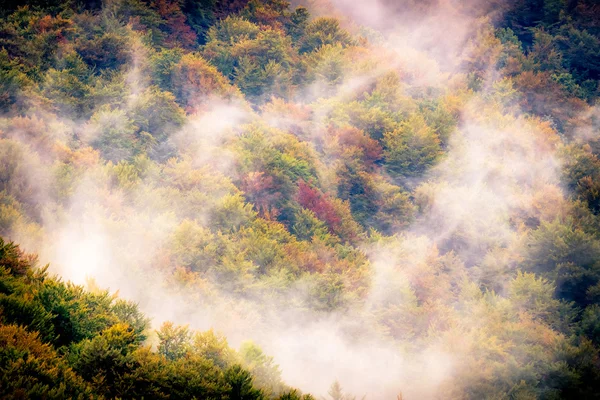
column 314, row 200
column 178, row 32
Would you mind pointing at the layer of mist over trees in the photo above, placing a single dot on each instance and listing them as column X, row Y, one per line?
column 252, row 199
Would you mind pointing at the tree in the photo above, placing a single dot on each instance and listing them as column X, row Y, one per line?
column 67, row 92
column 113, row 133
column 107, row 51
column 240, row 381
column 32, row 369
column 308, row 226
column 213, row 346
column 565, row 253
column 411, row 149
column 200, row 16
column 266, row 374
column 174, row 341
column 298, row 23
column 12, row 81
column 336, row 392
column 312, row 199
column 195, row 81
column 323, row 31
column 257, row 60
column 270, row 12
column 232, row 213
column 157, row 113
column 178, row 33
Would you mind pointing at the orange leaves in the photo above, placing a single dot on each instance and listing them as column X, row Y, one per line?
column 195, row 81
column 356, row 143
column 178, row 32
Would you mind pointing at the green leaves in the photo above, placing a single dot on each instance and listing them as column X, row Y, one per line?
column 258, row 61
column 323, row 31
column 174, row 341
column 240, row 381
column 412, row 148
column 76, row 344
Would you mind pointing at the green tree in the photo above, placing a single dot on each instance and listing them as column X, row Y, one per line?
column 174, row 341
column 323, row 31
column 240, row 381
column 412, row 148
column 32, row 369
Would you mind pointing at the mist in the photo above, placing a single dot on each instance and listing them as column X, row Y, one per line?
column 123, row 227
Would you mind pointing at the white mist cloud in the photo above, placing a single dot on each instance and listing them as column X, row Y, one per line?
column 208, row 130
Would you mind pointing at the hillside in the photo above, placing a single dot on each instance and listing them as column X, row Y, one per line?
column 262, row 200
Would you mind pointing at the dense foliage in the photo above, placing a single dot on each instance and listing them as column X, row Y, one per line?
column 264, row 167
column 59, row 341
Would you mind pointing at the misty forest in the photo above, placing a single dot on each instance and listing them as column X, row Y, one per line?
column 301, row 200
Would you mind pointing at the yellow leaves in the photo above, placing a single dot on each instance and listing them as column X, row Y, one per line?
column 214, row 346
column 191, row 282
column 126, row 175
column 232, row 29
column 483, row 50
column 546, row 137
column 195, row 80
column 84, row 157
column 278, row 107
column 184, row 175
column 119, row 335
column 494, row 349
column 231, row 212
column 30, row 366
column 194, row 247
column 545, row 204
column 412, row 148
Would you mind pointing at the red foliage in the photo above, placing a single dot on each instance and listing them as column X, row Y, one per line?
column 262, row 192
column 55, row 27
column 314, row 200
column 353, row 138
column 45, row 24
column 51, row 24
column 179, row 33
column 224, row 8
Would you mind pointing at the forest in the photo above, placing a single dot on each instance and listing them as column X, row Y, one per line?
column 300, row 200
